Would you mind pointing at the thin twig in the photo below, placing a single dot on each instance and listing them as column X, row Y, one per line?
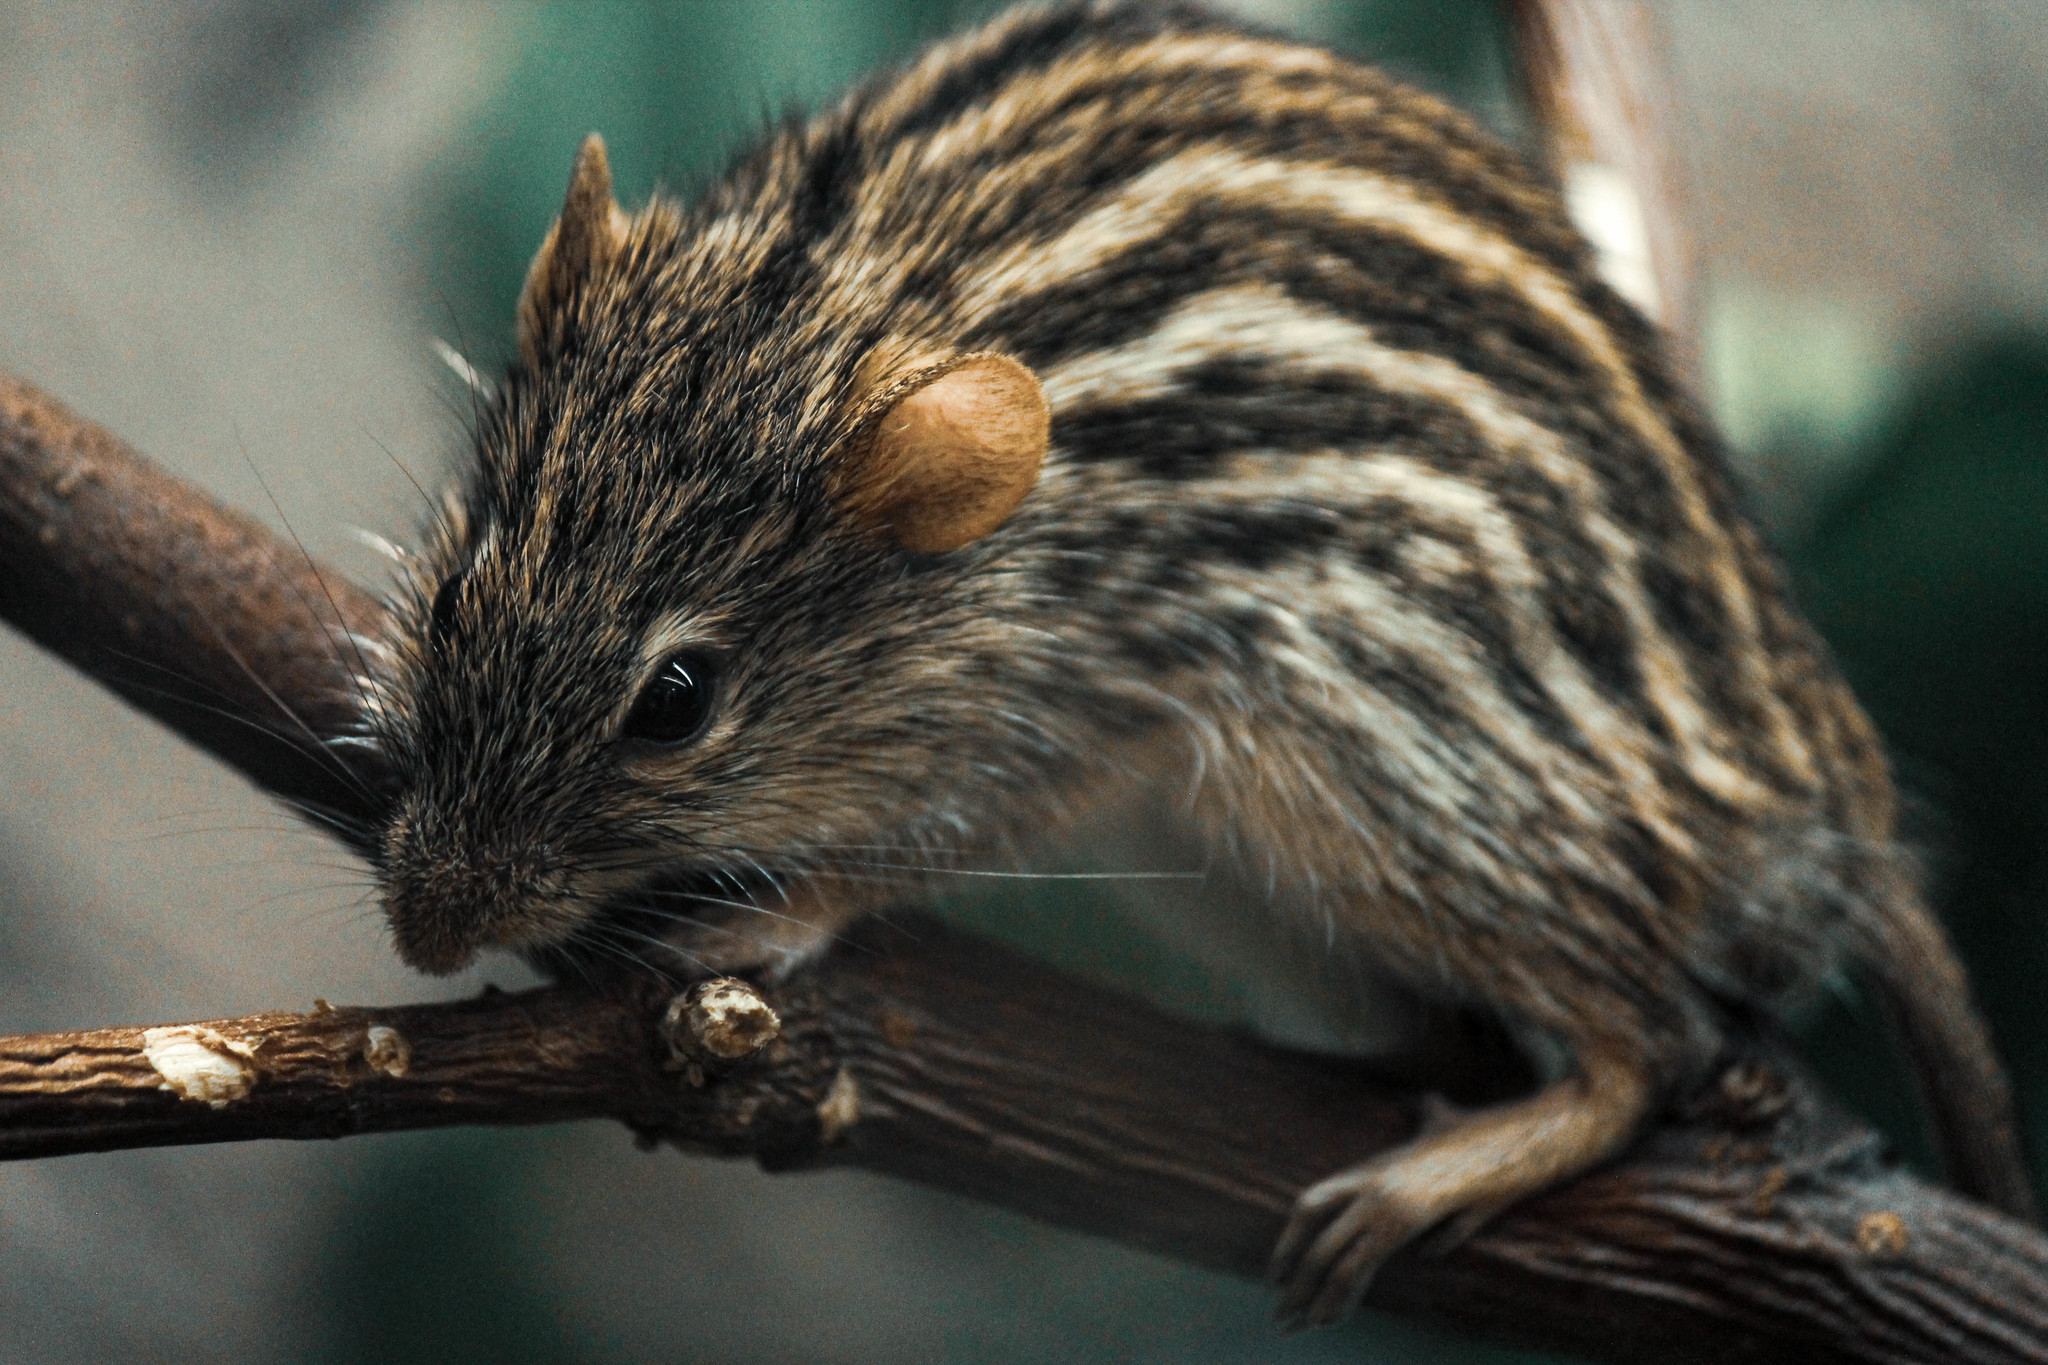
column 1594, row 74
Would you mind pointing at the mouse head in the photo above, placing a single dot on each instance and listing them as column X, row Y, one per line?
column 709, row 610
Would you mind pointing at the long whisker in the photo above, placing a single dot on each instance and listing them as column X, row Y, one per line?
column 745, row 905
column 318, row 750
column 392, row 456
column 699, row 963
column 851, row 867
column 678, row 917
column 319, row 742
column 348, row 777
column 474, row 387
column 359, row 832
column 1043, row 876
column 459, row 363
column 602, row 937
column 313, row 567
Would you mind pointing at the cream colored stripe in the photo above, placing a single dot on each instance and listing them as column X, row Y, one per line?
column 1344, row 481
column 1151, row 204
column 1149, row 70
column 1259, row 320
column 1526, row 772
column 950, row 166
column 1148, row 78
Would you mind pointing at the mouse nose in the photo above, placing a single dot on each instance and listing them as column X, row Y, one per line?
column 427, row 945
column 445, row 903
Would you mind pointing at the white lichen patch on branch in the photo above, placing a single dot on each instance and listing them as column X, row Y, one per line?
column 198, row 1063
column 387, row 1051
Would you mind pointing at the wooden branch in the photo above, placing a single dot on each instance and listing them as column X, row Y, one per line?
column 1595, row 77
column 192, row 612
column 1760, row 1224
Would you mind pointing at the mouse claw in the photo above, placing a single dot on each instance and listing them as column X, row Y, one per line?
column 1341, row 1231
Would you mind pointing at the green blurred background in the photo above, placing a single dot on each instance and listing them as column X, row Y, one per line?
column 1907, row 484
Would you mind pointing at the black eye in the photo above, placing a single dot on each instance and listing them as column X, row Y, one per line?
column 677, row 704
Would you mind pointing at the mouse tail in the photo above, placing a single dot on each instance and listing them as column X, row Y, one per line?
column 1921, row 985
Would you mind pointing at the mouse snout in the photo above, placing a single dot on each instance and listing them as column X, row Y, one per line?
column 446, row 902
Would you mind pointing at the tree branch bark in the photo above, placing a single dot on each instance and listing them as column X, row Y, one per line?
column 191, row 611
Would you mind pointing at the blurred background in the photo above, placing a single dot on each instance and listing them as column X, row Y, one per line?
column 231, row 229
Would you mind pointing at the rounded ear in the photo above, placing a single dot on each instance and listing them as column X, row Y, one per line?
column 950, row 451
column 591, row 230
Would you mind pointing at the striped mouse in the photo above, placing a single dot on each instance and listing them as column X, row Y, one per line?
column 1113, row 394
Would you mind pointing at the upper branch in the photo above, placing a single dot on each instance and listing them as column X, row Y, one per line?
column 191, row 611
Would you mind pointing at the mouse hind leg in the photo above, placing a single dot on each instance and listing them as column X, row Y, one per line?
column 1343, row 1228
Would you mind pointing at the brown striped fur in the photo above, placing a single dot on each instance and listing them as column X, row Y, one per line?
column 1366, row 499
